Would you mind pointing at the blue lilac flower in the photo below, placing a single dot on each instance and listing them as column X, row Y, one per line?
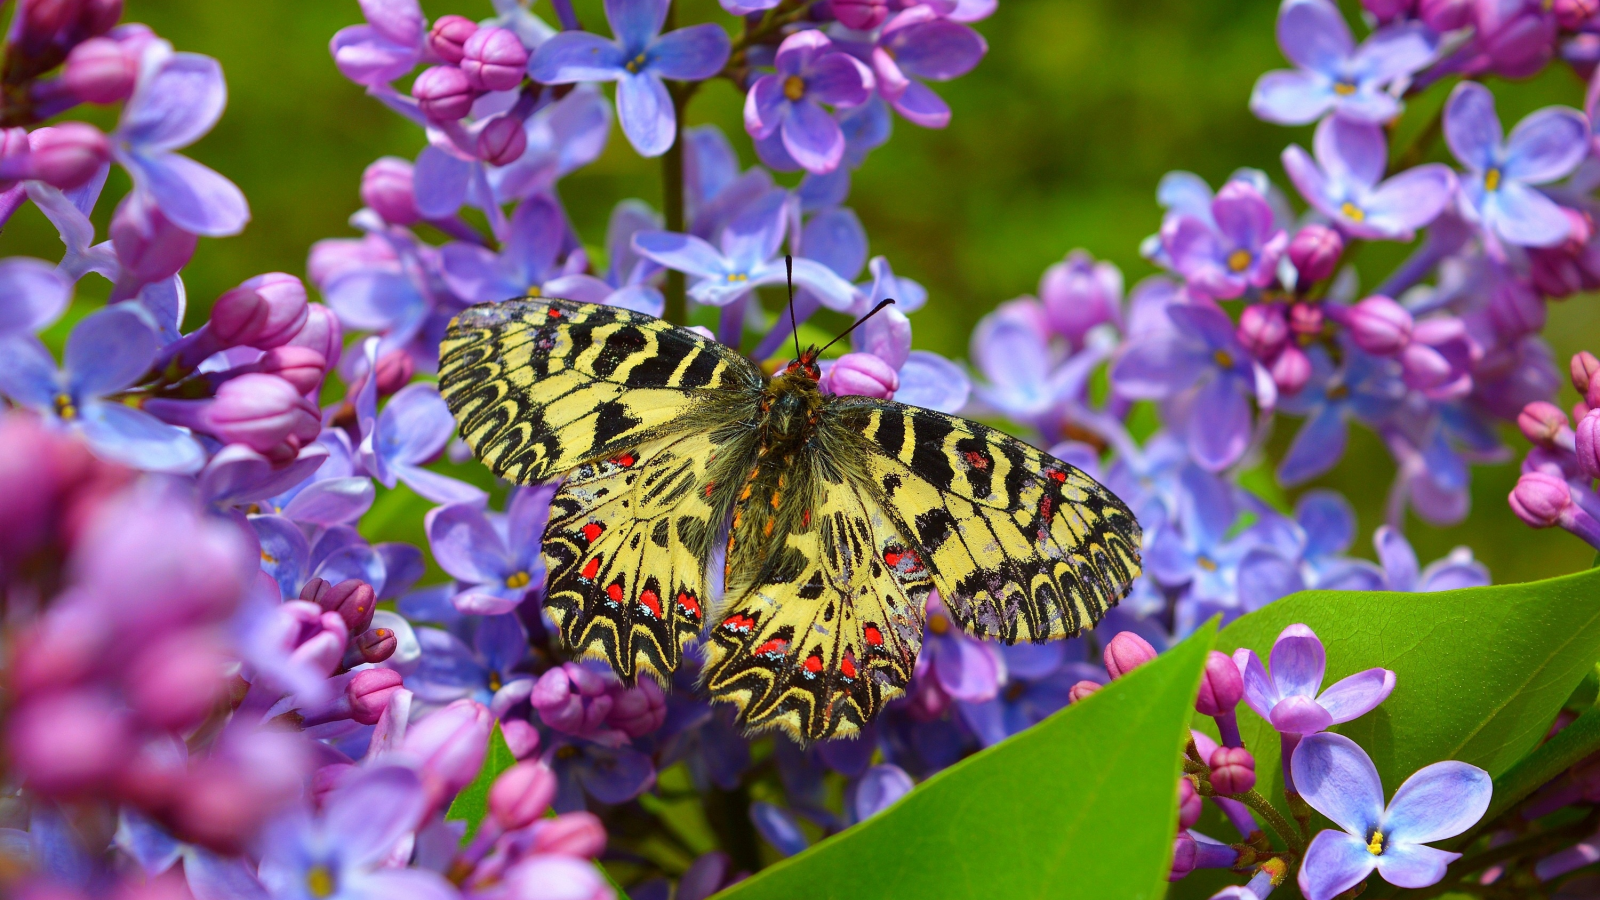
column 608, row 774
column 490, row 670
column 32, row 295
column 496, row 558
column 715, row 191
column 108, row 352
column 779, row 827
column 1346, row 183
column 527, row 263
column 334, row 494
column 1328, row 525
column 292, row 560
column 920, row 43
column 878, row 789
column 1401, row 572
column 1366, row 388
column 1038, row 680
column 1496, row 189
column 1024, row 377
column 387, row 47
column 411, row 431
column 637, row 60
column 1332, row 72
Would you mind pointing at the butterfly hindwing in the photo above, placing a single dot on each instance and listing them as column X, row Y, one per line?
column 542, row 385
column 1022, row 546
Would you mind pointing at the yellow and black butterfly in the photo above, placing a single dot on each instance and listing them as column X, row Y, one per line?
column 838, row 514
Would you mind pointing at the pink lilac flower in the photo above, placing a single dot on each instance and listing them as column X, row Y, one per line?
column 388, row 46
column 1338, row 779
column 1292, row 699
column 528, row 260
column 786, row 105
column 1239, row 249
column 638, row 59
column 1346, row 183
column 1497, row 188
column 495, row 558
column 1332, row 72
column 920, row 43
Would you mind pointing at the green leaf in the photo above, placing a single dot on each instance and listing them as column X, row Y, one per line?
column 472, row 804
column 1081, row 805
column 1480, row 673
column 1570, row 745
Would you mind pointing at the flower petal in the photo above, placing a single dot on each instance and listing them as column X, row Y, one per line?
column 921, row 106
column 1413, row 865
column 1309, row 180
column 1523, row 216
column 439, row 488
column 823, row 283
column 1350, row 150
column 1317, row 446
column 938, row 49
column 1356, row 695
column 690, row 54
column 879, row 788
column 1334, row 863
column 192, row 196
column 1412, row 199
column 1219, row 436
column 1328, row 521
column 1546, row 145
column 576, row 56
column 645, row 110
column 1471, row 127
column 812, row 137
column 1439, row 801
column 1398, row 559
column 136, row 438
column 1299, row 715
column 1313, row 35
column 683, row 252
column 636, row 22
column 33, row 293
column 1291, row 97
column 176, row 105
column 466, row 546
column 331, row 501
column 415, row 425
column 439, row 181
column 538, row 232
column 840, row 80
column 930, row 381
column 1339, row 780
column 372, row 811
column 1260, row 694
column 1156, row 367
column 835, row 238
column 108, row 351
column 966, row 669
column 1298, row 662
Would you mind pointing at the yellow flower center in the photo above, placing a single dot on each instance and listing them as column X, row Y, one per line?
column 1491, row 180
column 635, row 64
column 1223, row 359
column 567, row 751
column 494, row 681
column 268, row 558
column 794, row 87
column 1375, row 846
column 1343, row 88
column 534, row 291
column 65, row 408
column 1205, row 562
column 1239, row 260
column 518, row 579
column 738, row 277
column 938, row 624
column 1352, row 211
column 319, row 881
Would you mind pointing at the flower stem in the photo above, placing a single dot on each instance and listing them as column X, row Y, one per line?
column 1264, row 808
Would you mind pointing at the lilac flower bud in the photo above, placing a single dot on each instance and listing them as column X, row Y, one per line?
column 1560, row 271
column 300, row 366
column 369, row 693
column 65, row 743
column 263, row 312
column 1305, row 319
column 521, row 737
column 67, row 155
column 1573, row 14
column 1587, row 444
column 572, row 699
column 1189, row 804
column 448, row 36
column 860, row 15
column 1541, row 422
column 1221, row 685
column 1233, row 770
column 1539, row 499
column 1081, row 690
column 261, row 411
column 325, row 648
column 578, row 834
column 374, row 645
column 149, row 248
column 99, row 70
column 449, row 746
column 502, row 141
column 1262, row 329
column 387, row 187
column 443, row 93
column 1126, row 652
column 1078, row 293
column 1445, row 15
column 41, row 20
column 395, row 369
column 638, row 710
column 1583, row 367
column 1291, row 370
column 1379, row 325
column 174, row 682
column 1183, row 851
column 99, row 16
column 861, row 374
column 1516, row 46
column 493, row 59
column 1315, row 252
column 322, row 333
column 353, row 599
column 522, row 793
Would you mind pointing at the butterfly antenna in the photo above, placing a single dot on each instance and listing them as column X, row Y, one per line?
column 875, row 311
column 794, row 328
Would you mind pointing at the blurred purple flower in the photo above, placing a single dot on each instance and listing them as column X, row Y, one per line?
column 495, row 557
column 1024, row 378
column 410, row 432
column 786, row 105
column 1496, row 190
column 1239, row 251
column 637, row 60
column 1333, row 73
column 388, row 46
column 1039, row 678
column 610, row 775
column 1366, row 388
column 527, row 262
column 1079, row 294
column 33, row 294
column 920, row 42
column 1400, row 570
column 1290, row 700
column 1346, row 182
column 878, row 789
column 779, row 827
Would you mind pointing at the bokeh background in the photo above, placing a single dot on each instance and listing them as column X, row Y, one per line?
column 1057, row 141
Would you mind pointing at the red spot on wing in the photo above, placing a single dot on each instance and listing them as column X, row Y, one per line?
column 651, row 601
column 1057, row 475
column 892, row 557
column 977, row 460
column 591, row 568
column 592, row 531
column 774, row 647
column 710, row 486
column 805, row 519
column 813, row 664
column 873, row 635
column 626, row 460
column 847, row 666
column 689, row 604
column 739, row 622
column 554, row 313
column 614, row 591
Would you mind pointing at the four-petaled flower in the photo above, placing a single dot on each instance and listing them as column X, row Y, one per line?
column 1346, row 183
column 1334, row 74
column 786, row 105
column 1235, row 251
column 496, row 558
column 1289, row 698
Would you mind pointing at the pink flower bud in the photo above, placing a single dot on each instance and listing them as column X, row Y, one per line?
column 1315, row 253
column 1262, row 329
column 322, row 333
column 860, row 15
column 1519, row 46
column 448, row 746
column 1291, row 370
column 300, row 366
column 1573, row 14
column 1305, row 319
column 522, row 793
column 149, row 248
column 448, row 35
column 1539, row 499
column 387, row 187
column 353, row 599
column 493, row 59
column 1081, row 690
column 1233, row 770
column 1078, row 293
column 521, row 737
column 1189, row 804
column 41, row 20
column 861, row 374
column 443, row 93
column 1587, row 444
column 1379, row 325
column 99, row 16
column 263, row 312
column 502, row 140
column 67, row 155
column 638, row 710
column 67, row 743
column 1126, row 652
column 1221, row 686
column 572, row 699
column 395, row 369
column 1423, row 367
column 99, row 70
column 373, row 646
column 1445, row 15
column 369, row 692
column 1541, row 422
column 174, row 682
column 1583, row 367
column 1183, row 856
column 577, row 834
column 261, row 411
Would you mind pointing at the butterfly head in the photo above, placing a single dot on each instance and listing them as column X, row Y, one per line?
column 806, row 365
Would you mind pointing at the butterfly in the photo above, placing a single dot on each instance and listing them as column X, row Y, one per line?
column 834, row 517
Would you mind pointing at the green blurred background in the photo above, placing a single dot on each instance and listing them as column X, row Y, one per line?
column 1057, row 141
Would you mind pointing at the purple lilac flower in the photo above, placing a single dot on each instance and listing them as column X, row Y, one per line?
column 1039, row 678
column 1024, row 378
column 179, row 98
column 107, row 352
column 1400, row 570
column 1199, row 350
column 1346, row 183
column 916, row 43
column 608, row 774
column 69, row 212
column 1333, row 73
column 1238, row 250
column 335, row 494
column 527, row 262
column 1328, row 525
column 878, row 790
column 963, row 667
column 33, row 294
column 637, row 60
column 239, row 476
column 488, row 671
column 786, row 105
column 1079, row 294
column 923, row 379
column 1366, row 388
column 496, row 558
column 338, row 554
column 388, row 46
column 714, row 189
column 1338, row 779
column 410, row 432
column 1496, row 190
column 1290, row 700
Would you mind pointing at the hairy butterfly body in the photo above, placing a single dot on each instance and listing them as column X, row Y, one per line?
column 835, row 516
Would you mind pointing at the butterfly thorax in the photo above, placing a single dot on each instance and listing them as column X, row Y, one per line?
column 789, row 405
